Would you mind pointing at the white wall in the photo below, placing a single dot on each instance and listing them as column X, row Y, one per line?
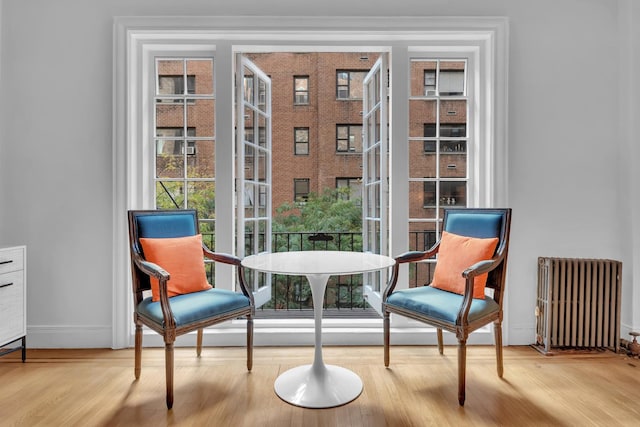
column 567, row 154
column 632, row 143
column 629, row 88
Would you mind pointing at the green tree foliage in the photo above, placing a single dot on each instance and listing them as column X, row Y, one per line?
column 339, row 218
column 331, row 211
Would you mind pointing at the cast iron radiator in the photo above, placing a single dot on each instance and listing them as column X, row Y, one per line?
column 578, row 304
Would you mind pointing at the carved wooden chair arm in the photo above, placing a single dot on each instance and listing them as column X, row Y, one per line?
column 232, row 260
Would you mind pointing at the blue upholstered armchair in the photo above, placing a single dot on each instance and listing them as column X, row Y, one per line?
column 457, row 310
column 175, row 308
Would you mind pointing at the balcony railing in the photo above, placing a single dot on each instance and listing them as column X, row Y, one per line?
column 291, row 295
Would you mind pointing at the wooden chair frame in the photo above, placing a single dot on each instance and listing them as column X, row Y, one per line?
column 142, row 270
column 496, row 267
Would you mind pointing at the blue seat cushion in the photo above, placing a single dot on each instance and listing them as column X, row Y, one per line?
column 194, row 307
column 438, row 304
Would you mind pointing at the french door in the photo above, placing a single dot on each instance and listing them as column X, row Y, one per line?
column 253, row 169
column 375, row 175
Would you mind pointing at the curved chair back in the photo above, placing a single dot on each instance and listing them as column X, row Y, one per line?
column 484, row 223
column 157, row 224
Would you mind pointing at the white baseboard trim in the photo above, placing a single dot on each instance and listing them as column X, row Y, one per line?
column 306, row 337
column 271, row 337
column 69, row 336
column 522, row 334
column 624, row 331
column 96, row 336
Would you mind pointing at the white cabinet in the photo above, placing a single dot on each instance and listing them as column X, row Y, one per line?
column 13, row 298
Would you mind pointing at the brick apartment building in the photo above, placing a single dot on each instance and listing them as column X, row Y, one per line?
column 317, row 126
column 317, row 134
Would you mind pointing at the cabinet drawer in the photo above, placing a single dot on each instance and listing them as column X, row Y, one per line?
column 12, row 303
column 11, row 259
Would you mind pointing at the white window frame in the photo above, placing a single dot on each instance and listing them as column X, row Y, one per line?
column 186, row 100
column 135, row 37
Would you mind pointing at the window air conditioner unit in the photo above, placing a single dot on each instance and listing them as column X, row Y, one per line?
column 190, row 150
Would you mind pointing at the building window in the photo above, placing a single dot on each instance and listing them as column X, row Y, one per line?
column 171, row 85
column 455, row 130
column 349, row 188
column 349, row 84
column 301, row 189
column 429, row 82
column 451, row 82
column 349, row 138
column 443, row 82
column 429, row 132
column 451, row 194
column 301, row 141
column 451, row 130
column 171, row 141
column 301, row 90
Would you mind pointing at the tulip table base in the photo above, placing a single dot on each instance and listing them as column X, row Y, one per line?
column 323, row 386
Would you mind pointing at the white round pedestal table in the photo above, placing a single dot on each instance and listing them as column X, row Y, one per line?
column 318, row 385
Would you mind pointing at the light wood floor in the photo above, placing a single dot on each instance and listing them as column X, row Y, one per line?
column 97, row 388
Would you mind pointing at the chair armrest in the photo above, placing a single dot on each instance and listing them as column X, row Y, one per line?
column 154, row 270
column 415, row 256
column 232, row 260
column 411, row 256
column 151, row 269
column 470, row 274
column 221, row 257
column 480, row 267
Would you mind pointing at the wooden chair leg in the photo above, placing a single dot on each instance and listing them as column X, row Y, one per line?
column 168, row 355
column 497, row 332
column 462, row 364
column 386, row 326
column 249, row 342
column 440, row 341
column 199, row 343
column 138, row 351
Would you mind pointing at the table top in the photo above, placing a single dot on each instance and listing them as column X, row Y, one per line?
column 317, row 262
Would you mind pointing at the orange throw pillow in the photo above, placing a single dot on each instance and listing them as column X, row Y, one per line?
column 182, row 258
column 456, row 254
